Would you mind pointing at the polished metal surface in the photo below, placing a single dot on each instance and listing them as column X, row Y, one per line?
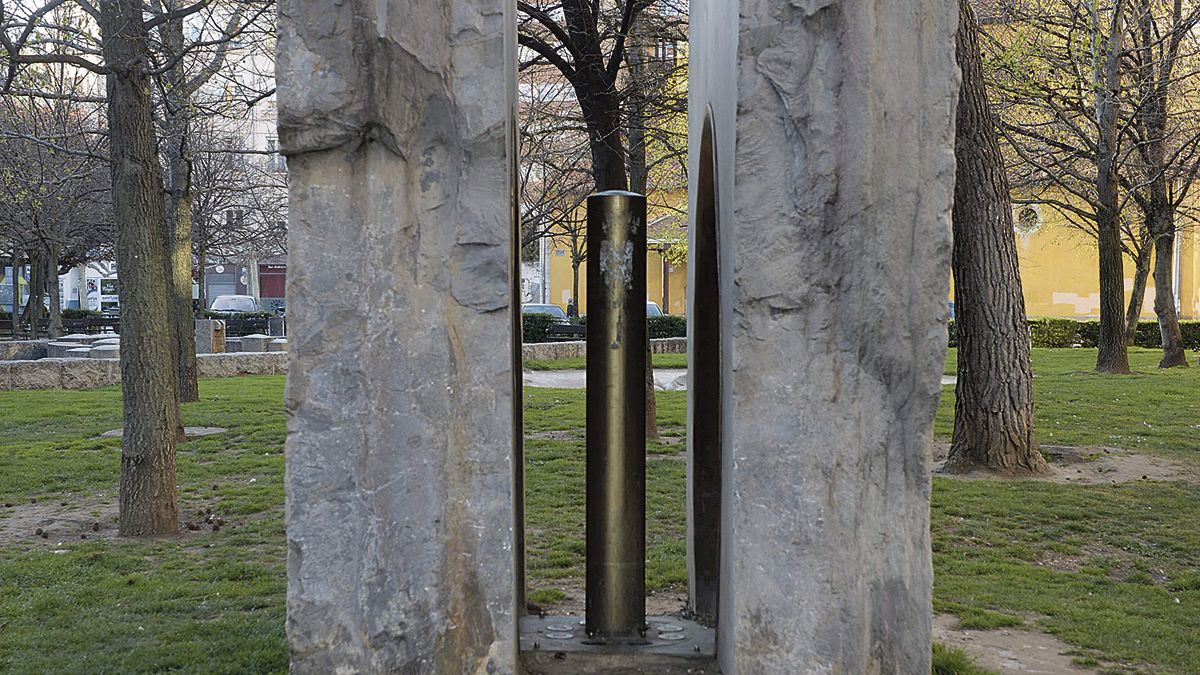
column 616, row 416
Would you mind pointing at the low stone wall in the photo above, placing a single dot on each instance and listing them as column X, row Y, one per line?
column 23, row 350
column 88, row 373
column 546, row 351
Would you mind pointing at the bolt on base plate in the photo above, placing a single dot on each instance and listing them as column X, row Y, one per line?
column 559, row 644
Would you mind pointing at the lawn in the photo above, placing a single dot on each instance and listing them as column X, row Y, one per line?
column 1113, row 570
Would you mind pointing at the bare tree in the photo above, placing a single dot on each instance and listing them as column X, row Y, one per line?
column 993, row 409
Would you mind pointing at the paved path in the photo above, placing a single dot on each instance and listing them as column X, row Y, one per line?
column 664, row 379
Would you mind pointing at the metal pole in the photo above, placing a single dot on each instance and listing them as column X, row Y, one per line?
column 616, row 415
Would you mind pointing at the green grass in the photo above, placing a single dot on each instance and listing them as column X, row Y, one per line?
column 579, row 363
column 1099, row 566
column 206, row 602
column 950, row 661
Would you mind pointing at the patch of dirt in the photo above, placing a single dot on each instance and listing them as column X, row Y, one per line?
column 1008, row 650
column 188, row 432
column 1083, row 465
column 658, row 603
column 52, row 522
column 555, row 435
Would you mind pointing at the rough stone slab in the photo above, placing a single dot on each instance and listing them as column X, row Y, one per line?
column 58, row 350
column 88, row 373
column 834, row 138
column 394, row 119
column 546, row 351
column 232, row 365
column 233, row 345
column 105, row 351
column 255, row 343
column 23, row 350
column 280, row 345
column 40, row 374
column 80, row 338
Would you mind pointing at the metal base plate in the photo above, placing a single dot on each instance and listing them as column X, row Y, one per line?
column 558, row 644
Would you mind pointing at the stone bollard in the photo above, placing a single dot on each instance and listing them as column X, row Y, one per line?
column 210, row 336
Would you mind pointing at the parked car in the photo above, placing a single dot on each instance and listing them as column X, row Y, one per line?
column 555, row 311
column 652, row 309
column 236, row 304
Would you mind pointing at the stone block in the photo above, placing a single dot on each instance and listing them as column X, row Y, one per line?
column 276, row 326
column 80, row 338
column 833, row 126
column 232, row 365
column 107, row 342
column 107, row 351
column 400, row 504
column 79, row 353
column 279, row 345
column 89, row 373
column 210, row 336
column 255, row 343
column 57, row 350
column 233, row 345
column 40, row 374
column 23, row 350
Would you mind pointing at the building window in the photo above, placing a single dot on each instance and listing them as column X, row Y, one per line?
column 275, row 161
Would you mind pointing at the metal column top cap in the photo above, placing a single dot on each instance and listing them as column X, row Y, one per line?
column 615, row 193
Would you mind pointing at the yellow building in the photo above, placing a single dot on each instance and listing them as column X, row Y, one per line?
column 666, row 281
column 1060, row 269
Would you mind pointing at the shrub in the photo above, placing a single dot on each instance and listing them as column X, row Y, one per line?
column 80, row 314
column 534, row 327
column 666, row 326
column 1088, row 333
column 953, row 328
column 1053, row 333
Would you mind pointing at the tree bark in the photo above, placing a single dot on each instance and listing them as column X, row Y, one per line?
column 148, row 374
column 993, row 411
column 1174, row 354
column 1140, row 275
column 1113, row 356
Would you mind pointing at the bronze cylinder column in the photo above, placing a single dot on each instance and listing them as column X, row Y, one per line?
column 616, row 415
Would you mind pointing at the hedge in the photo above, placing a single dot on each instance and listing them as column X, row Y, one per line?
column 666, row 326
column 80, row 314
column 1060, row 333
column 534, row 327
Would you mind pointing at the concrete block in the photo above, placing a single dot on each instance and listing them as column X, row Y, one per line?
column 232, row 365
column 279, row 345
column 233, row 345
column 79, row 353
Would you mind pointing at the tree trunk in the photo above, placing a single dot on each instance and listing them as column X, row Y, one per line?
column 1174, row 354
column 1113, row 356
column 16, row 291
column 32, row 313
column 56, row 325
column 1141, row 273
column 638, row 182
column 201, row 265
column 177, row 113
column 148, row 374
column 993, row 410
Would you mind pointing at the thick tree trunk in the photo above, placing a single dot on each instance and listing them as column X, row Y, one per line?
column 56, row 325
column 1113, row 356
column 148, row 374
column 1141, row 273
column 993, row 411
column 32, row 313
column 1174, row 354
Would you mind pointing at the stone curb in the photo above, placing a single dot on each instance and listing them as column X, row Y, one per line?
column 71, row 373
